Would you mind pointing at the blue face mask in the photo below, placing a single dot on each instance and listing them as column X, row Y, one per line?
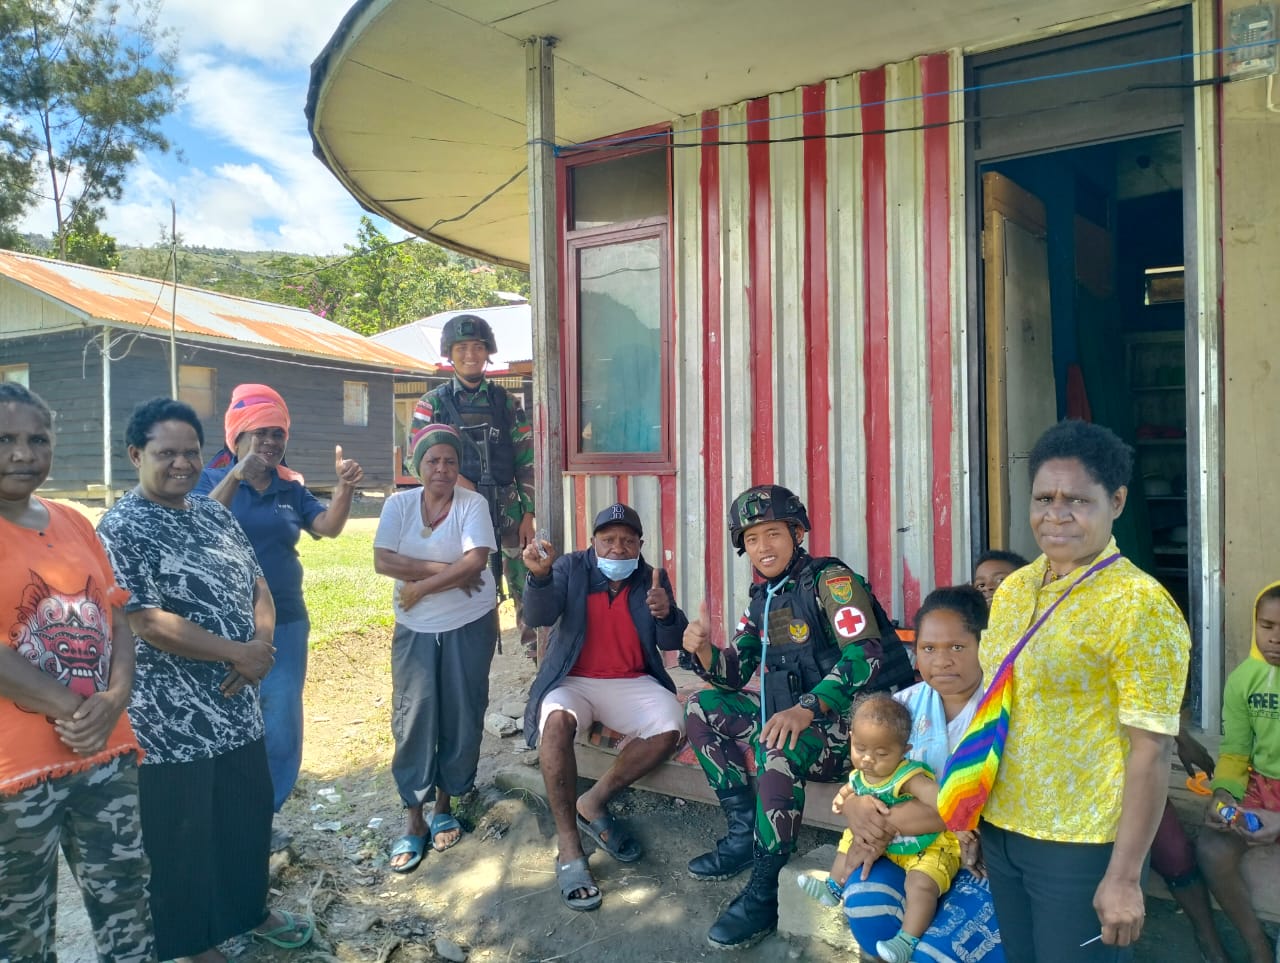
column 617, row 569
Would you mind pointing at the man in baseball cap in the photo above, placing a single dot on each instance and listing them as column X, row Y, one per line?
column 613, row 614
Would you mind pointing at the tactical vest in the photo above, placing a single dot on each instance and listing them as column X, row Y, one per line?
column 480, row 424
column 802, row 647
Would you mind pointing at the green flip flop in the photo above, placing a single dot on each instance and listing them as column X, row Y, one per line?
column 295, row 932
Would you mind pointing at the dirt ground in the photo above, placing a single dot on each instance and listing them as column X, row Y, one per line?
column 493, row 896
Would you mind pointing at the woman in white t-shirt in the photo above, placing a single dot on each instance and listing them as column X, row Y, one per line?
column 948, row 627
column 435, row 542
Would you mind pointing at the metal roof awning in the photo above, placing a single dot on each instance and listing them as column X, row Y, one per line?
column 418, row 106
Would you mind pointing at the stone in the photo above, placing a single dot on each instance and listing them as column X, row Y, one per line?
column 449, row 950
column 800, row 915
column 520, row 779
column 513, row 708
column 496, row 724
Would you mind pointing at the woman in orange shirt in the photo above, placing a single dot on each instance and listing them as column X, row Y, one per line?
column 69, row 759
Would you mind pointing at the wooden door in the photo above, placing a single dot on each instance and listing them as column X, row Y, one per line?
column 1021, row 391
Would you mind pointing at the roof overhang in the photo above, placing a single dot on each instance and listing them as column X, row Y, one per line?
column 418, row 106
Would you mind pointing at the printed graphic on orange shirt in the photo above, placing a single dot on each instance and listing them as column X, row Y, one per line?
column 64, row 634
column 841, row 588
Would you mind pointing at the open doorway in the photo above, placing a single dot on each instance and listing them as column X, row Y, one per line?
column 1079, row 202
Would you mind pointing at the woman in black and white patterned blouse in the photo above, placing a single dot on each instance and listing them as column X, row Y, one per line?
column 204, row 619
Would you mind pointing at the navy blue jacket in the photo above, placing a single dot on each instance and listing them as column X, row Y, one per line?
column 560, row 599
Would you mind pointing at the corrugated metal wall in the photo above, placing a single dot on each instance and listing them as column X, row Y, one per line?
column 819, row 300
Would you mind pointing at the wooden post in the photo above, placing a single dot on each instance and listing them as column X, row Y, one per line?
column 544, row 281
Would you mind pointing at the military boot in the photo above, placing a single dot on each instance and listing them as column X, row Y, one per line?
column 732, row 853
column 753, row 915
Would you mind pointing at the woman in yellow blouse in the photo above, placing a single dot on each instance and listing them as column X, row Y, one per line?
column 1096, row 695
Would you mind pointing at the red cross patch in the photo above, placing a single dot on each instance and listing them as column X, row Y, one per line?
column 849, row 622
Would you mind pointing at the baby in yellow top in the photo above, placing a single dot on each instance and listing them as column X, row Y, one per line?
column 878, row 744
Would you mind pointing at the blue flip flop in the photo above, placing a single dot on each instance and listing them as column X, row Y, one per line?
column 415, row 846
column 444, row 823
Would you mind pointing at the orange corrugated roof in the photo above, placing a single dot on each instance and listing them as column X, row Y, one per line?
column 128, row 300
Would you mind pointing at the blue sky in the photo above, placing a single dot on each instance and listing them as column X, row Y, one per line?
column 246, row 178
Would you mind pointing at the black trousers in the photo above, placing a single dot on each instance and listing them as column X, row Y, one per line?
column 206, row 827
column 1043, row 895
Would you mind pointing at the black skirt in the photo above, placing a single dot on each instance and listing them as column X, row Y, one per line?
column 206, row 827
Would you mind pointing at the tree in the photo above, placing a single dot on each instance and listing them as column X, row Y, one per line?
column 84, row 86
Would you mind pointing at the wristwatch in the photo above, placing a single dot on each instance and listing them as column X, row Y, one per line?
column 810, row 701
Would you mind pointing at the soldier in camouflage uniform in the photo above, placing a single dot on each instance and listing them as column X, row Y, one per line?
column 823, row 639
column 496, row 430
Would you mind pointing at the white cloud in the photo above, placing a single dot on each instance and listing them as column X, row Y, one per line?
column 245, row 65
column 282, row 32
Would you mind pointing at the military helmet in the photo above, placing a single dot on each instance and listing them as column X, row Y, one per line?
column 764, row 503
column 466, row 327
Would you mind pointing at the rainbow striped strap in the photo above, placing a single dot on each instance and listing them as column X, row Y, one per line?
column 971, row 769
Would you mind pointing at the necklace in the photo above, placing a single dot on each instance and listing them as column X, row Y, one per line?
column 430, row 526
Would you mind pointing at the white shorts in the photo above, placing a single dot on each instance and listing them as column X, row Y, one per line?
column 641, row 707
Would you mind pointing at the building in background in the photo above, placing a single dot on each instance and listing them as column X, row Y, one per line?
column 95, row 343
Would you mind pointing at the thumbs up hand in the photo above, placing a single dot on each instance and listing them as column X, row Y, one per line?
column 657, row 599
column 348, row 470
column 697, row 636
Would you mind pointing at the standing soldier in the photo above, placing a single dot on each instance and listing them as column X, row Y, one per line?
column 497, row 457
column 823, row 639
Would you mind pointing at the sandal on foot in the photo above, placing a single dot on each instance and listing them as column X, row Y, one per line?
column 414, row 846
column 444, row 823
column 293, row 933
column 609, row 835
column 573, row 876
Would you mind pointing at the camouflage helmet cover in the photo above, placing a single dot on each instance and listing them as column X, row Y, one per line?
column 764, row 503
column 466, row 327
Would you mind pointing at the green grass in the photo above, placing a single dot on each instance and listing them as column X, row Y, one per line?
column 344, row 595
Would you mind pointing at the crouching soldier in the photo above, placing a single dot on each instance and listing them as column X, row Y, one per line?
column 822, row 638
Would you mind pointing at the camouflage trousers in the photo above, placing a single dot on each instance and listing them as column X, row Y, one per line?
column 93, row 817
column 721, row 726
column 511, row 513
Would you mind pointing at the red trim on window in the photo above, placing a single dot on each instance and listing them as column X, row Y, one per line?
column 935, row 81
column 760, row 291
column 817, row 334
column 622, row 488
column 580, row 536
column 712, row 425
column 876, row 432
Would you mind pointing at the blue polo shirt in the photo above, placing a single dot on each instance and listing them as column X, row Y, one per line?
column 273, row 520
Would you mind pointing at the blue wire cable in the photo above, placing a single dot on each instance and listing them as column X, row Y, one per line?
column 770, row 592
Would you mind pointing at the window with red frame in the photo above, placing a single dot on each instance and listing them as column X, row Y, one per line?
column 618, row 316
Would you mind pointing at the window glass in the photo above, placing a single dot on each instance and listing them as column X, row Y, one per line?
column 17, row 373
column 355, row 403
column 620, row 347
column 197, row 386
column 615, row 191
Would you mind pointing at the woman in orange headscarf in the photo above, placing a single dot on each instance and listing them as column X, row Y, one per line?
column 273, row 507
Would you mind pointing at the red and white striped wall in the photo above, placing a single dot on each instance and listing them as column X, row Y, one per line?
column 820, row 319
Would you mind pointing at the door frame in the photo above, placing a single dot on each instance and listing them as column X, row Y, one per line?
column 1202, row 325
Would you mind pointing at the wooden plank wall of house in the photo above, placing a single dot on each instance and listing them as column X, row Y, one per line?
column 66, row 369
column 820, row 336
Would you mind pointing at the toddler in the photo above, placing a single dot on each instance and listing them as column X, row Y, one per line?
column 878, row 744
